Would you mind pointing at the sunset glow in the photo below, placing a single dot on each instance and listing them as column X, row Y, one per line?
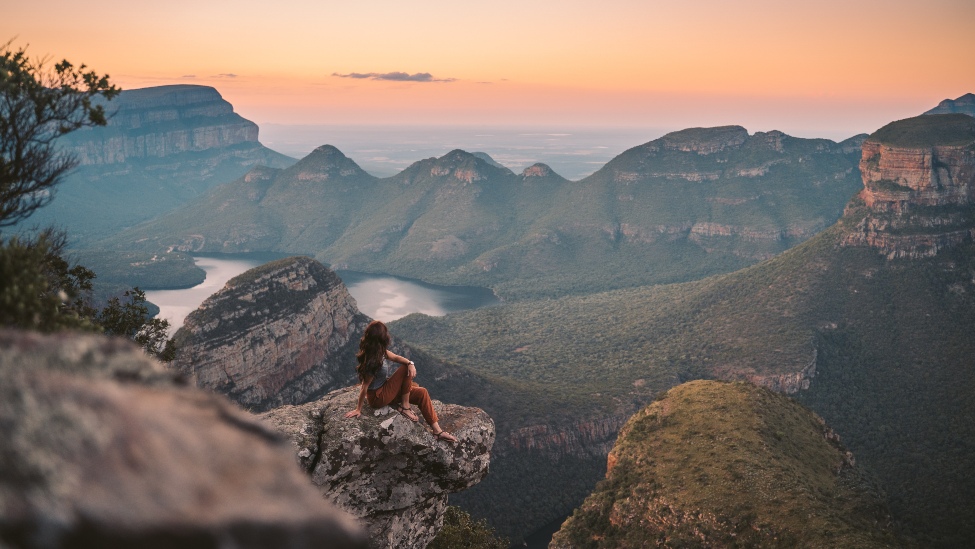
column 830, row 67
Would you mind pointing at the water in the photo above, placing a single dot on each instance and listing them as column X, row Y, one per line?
column 387, row 297
column 383, row 297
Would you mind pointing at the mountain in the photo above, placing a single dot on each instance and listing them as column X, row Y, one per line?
column 963, row 105
column 286, row 333
column 295, row 343
column 868, row 323
column 690, row 204
column 162, row 147
column 714, row 464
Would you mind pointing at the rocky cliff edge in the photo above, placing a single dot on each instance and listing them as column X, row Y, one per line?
column 282, row 333
column 100, row 446
column 918, row 192
column 392, row 473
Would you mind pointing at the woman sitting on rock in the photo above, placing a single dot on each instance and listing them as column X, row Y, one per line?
column 381, row 385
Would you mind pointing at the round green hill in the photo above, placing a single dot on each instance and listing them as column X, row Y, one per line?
column 714, row 464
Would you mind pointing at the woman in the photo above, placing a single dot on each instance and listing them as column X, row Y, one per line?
column 381, row 385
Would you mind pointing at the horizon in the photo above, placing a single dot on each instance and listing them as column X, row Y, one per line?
column 831, row 70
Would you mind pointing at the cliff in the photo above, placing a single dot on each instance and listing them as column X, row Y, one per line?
column 391, row 473
column 102, row 447
column 159, row 122
column 282, row 333
column 162, row 147
column 919, row 186
column 715, row 464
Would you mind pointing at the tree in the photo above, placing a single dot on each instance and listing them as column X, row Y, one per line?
column 461, row 531
column 37, row 105
column 39, row 288
column 130, row 318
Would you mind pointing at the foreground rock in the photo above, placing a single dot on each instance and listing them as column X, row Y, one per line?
column 392, row 473
column 282, row 333
column 100, row 447
column 716, row 464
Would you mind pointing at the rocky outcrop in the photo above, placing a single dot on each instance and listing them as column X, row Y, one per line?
column 282, row 333
column 391, row 473
column 162, row 121
column 918, row 192
column 962, row 105
column 101, row 447
column 704, row 141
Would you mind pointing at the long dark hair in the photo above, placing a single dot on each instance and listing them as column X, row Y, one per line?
column 372, row 350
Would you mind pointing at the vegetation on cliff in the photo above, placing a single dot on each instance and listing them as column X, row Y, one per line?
column 691, row 204
column 932, row 130
column 883, row 345
column 714, row 464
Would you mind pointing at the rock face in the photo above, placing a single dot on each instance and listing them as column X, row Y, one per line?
column 717, row 464
column 100, row 447
column 963, row 105
column 919, row 186
column 282, row 333
column 162, row 121
column 162, row 147
column 393, row 474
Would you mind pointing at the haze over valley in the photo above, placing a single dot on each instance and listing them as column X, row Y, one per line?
column 672, row 276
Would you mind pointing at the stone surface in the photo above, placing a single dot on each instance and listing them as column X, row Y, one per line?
column 385, row 469
column 283, row 333
column 100, row 446
column 918, row 194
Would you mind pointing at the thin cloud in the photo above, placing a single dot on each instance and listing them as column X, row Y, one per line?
column 188, row 76
column 225, row 75
column 395, row 76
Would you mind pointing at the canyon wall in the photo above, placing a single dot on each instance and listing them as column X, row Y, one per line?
column 282, row 333
column 918, row 192
column 162, row 121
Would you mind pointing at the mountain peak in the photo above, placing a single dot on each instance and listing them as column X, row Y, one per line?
column 538, row 170
column 324, row 163
column 964, row 105
column 467, row 167
column 487, row 158
column 704, row 141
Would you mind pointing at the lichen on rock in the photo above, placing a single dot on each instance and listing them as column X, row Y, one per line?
column 392, row 473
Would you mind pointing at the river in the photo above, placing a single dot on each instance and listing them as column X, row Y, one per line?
column 379, row 296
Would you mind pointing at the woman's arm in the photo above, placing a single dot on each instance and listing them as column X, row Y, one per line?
column 402, row 360
column 362, row 398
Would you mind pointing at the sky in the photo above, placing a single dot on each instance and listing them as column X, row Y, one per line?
column 826, row 68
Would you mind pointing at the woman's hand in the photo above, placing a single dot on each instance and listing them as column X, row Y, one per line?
column 353, row 413
column 411, row 370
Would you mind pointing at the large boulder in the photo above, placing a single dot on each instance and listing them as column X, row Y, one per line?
column 282, row 333
column 100, row 446
column 392, row 473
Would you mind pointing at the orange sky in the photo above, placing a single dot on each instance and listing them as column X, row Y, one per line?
column 820, row 68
